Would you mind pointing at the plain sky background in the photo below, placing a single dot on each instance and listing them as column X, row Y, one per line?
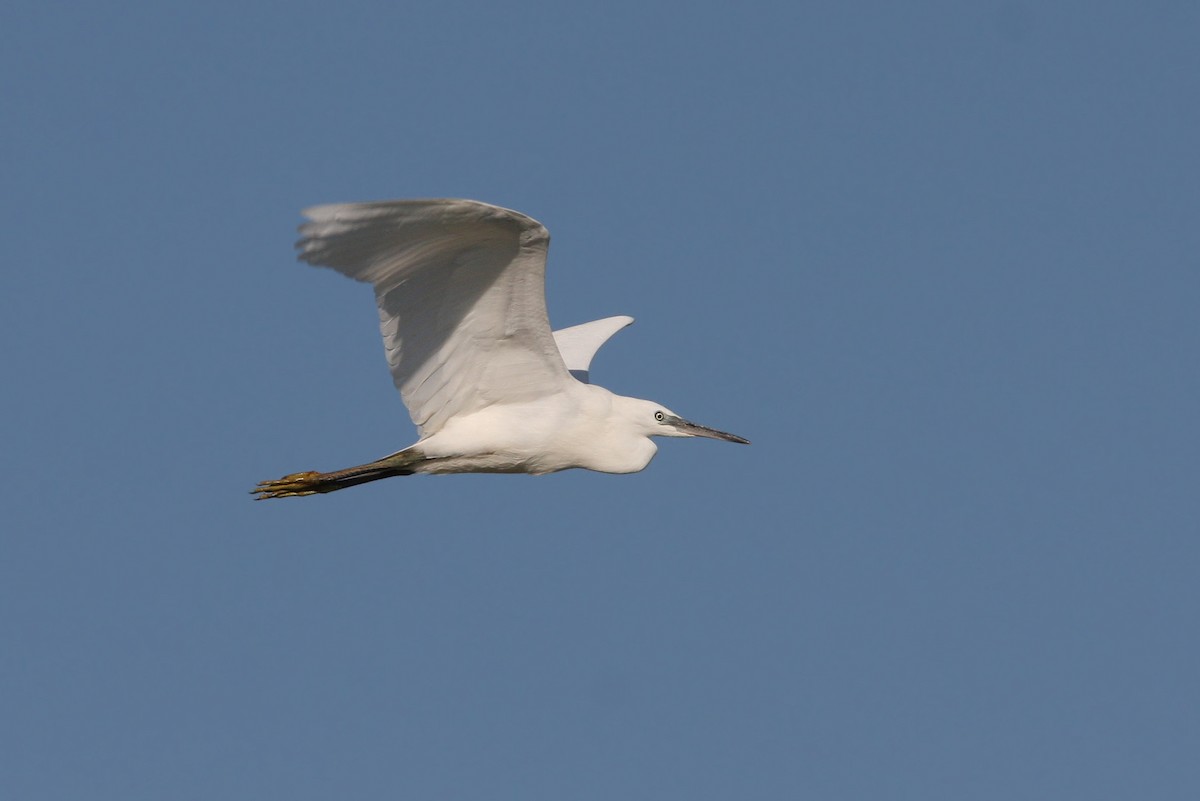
column 938, row 260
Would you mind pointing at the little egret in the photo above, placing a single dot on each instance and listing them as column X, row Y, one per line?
column 462, row 307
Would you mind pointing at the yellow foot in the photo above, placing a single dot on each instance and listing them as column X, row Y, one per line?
column 293, row 486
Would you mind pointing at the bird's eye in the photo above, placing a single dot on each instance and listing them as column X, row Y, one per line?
column 659, row 416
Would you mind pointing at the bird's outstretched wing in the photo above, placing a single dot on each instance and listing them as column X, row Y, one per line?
column 579, row 343
column 461, row 292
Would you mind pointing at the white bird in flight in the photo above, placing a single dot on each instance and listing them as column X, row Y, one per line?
column 460, row 287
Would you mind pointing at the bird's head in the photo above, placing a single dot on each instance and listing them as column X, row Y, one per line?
column 655, row 420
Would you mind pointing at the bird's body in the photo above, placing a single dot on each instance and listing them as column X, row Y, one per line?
column 460, row 290
column 541, row 438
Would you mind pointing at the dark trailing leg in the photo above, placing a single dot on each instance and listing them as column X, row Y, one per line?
column 313, row 483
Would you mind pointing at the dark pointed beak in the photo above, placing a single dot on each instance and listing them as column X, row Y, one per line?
column 697, row 430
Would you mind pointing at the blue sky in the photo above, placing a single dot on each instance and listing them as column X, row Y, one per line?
column 937, row 260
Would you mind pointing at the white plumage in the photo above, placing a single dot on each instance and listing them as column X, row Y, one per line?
column 460, row 289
